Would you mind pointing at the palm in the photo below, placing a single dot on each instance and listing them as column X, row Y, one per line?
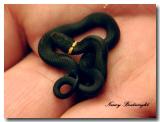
column 131, row 67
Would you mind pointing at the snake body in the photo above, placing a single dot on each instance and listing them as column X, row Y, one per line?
column 87, row 76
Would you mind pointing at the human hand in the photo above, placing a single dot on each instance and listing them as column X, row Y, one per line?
column 131, row 64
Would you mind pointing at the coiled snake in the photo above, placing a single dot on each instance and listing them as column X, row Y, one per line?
column 87, row 76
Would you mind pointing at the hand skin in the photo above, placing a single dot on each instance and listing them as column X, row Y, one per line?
column 131, row 64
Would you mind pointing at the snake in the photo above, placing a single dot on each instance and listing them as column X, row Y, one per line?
column 87, row 77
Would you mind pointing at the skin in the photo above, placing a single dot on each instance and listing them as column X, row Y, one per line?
column 131, row 64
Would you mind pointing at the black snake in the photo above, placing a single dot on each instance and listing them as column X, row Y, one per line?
column 87, row 76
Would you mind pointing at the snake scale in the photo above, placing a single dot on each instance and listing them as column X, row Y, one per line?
column 86, row 77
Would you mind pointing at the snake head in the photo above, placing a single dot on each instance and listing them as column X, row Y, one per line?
column 62, row 41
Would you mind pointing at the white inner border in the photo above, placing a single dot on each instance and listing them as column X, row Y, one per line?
column 2, row 2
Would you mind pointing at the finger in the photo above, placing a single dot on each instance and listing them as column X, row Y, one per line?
column 126, row 10
column 28, row 90
column 38, row 19
column 15, row 47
